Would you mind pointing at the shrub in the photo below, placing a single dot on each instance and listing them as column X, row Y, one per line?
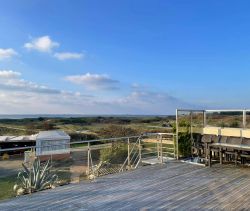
column 185, row 144
column 112, row 131
column 235, row 124
column 116, row 154
column 5, row 156
column 37, row 178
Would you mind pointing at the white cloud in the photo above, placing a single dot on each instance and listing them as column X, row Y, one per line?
column 68, row 55
column 7, row 53
column 11, row 80
column 149, row 102
column 9, row 74
column 42, row 44
column 21, row 96
column 94, row 81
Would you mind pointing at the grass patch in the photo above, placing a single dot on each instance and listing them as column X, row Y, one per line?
column 6, row 187
column 79, row 145
column 7, row 183
column 64, row 177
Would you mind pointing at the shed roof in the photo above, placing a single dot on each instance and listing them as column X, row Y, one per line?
column 52, row 135
column 5, row 138
column 30, row 138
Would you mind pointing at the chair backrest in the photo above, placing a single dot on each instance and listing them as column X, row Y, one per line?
column 206, row 138
column 215, row 139
column 246, row 141
column 234, row 140
column 198, row 138
column 223, row 139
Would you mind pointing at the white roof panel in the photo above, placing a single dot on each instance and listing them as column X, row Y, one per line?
column 52, row 135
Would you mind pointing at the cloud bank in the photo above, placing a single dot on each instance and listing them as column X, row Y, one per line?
column 19, row 96
column 94, row 81
column 68, row 55
column 7, row 53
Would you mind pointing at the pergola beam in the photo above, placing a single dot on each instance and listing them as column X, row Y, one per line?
column 228, row 110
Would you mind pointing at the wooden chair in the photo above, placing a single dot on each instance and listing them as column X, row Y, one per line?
column 205, row 140
column 231, row 152
column 215, row 150
column 197, row 146
column 223, row 140
column 244, row 154
column 210, row 151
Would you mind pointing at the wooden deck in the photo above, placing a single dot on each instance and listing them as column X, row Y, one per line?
column 172, row 186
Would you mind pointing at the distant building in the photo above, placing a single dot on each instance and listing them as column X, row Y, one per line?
column 53, row 144
column 17, row 141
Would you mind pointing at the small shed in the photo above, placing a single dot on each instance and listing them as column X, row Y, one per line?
column 53, row 144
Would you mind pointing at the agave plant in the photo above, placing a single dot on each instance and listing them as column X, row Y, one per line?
column 36, row 178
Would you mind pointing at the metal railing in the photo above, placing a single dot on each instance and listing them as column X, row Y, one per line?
column 88, row 159
column 133, row 145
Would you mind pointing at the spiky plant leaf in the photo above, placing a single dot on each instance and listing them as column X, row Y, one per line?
column 35, row 179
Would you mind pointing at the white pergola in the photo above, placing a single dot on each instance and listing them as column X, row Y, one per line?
column 204, row 114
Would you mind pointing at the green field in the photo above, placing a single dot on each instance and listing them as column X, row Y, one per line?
column 87, row 127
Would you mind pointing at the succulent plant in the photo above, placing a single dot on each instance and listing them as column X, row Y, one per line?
column 36, row 178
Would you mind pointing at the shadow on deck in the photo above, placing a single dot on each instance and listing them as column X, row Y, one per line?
column 174, row 185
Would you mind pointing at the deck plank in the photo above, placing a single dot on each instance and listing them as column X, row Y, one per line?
column 174, row 186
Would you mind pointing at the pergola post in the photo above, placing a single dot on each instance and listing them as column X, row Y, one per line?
column 191, row 125
column 177, row 137
column 244, row 119
column 204, row 119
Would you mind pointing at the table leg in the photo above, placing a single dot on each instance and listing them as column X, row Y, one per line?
column 236, row 157
column 206, row 149
column 221, row 155
column 209, row 156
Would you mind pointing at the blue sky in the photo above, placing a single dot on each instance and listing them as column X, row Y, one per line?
column 123, row 57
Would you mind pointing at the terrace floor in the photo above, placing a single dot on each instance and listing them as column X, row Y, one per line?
column 175, row 185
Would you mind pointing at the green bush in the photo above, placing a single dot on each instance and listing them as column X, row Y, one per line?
column 235, row 124
column 112, row 131
column 184, row 144
column 116, row 154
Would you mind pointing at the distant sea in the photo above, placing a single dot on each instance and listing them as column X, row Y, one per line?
column 34, row 116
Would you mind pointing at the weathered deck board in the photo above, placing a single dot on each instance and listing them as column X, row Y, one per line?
column 176, row 186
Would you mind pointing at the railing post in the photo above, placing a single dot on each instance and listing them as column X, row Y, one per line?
column 174, row 147
column 88, row 158
column 161, row 149
column 140, row 150
column 128, row 152
column 158, row 149
column 177, row 136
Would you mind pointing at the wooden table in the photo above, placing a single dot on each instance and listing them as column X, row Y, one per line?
column 225, row 145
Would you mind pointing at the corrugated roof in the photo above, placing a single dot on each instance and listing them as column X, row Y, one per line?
column 43, row 135
column 52, row 135
column 6, row 138
column 24, row 138
column 17, row 138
